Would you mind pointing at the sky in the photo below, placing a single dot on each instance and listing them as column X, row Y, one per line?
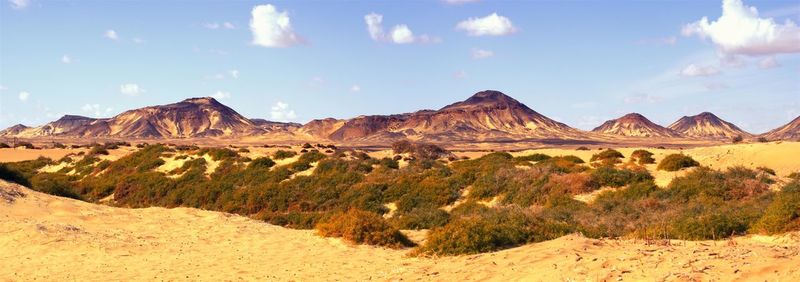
column 578, row 62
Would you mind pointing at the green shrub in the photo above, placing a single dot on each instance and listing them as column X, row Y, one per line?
column 359, row 226
column 609, row 176
column 283, row 154
column 98, row 150
column 421, row 218
column 54, row 184
column 675, row 162
column 607, row 157
column 766, row 170
column 783, row 214
column 261, row 163
column 794, row 176
column 486, row 232
column 533, row 158
column 643, row 157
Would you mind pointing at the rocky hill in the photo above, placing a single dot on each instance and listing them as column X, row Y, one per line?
column 634, row 125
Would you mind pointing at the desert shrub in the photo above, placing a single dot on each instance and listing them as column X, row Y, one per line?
column 762, row 139
column 675, row 162
column 59, row 146
column 737, row 139
column 419, row 150
column 243, row 150
column 766, row 170
column 4, row 145
column 491, row 230
column 794, row 176
column 54, row 184
column 307, row 146
column 609, row 176
column 702, row 220
column 783, row 214
column 643, row 157
column 98, row 150
column 27, row 145
column 582, row 148
column 533, row 158
column 22, row 172
column 421, row 218
column 573, row 183
column 607, row 157
column 563, row 164
column 389, row 163
column 283, row 154
column 359, row 226
column 262, row 162
column 219, row 154
column 735, row 184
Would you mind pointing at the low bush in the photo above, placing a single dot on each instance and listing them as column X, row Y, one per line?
column 675, row 162
column 783, row 214
column 359, row 226
column 609, row 176
column 261, row 163
column 533, row 158
column 98, row 150
column 643, row 157
column 607, row 157
column 283, row 154
column 767, row 170
column 421, row 218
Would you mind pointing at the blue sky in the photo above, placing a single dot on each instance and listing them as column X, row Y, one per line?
column 577, row 62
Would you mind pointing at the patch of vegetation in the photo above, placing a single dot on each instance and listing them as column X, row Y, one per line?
column 675, row 162
column 609, row 157
column 609, row 176
column 419, row 150
column 643, row 157
column 283, row 154
column 362, row 227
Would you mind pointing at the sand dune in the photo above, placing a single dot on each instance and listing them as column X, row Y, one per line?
column 49, row 238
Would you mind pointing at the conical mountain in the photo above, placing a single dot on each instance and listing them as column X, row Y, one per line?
column 634, row 125
column 484, row 116
column 707, row 125
column 790, row 131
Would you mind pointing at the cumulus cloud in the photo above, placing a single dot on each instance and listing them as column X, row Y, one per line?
column 272, row 28
column 481, row 54
column 355, row 88
column 24, row 95
column 95, row 109
column 698, row 70
column 19, row 4
column 111, row 34
column 493, row 24
column 131, row 89
column 66, row 59
column 281, row 112
column 400, row 34
column 234, row 74
column 768, row 63
column 220, row 95
column 740, row 30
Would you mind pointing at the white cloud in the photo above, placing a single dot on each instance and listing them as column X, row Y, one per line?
column 19, row 4
column 374, row 26
column 271, row 28
column 459, row 2
column 111, row 34
column 234, row 74
column 66, row 59
column 741, row 31
column 95, row 109
column 697, row 70
column 219, row 95
column 401, row 34
column 768, row 63
column 281, row 112
column 493, row 24
column 355, row 88
column 481, row 54
column 638, row 98
column 131, row 89
column 225, row 25
column 24, row 95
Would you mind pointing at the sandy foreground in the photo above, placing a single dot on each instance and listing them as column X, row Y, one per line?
column 49, row 238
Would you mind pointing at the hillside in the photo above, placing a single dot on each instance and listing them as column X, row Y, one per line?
column 634, row 125
column 790, row 131
column 707, row 125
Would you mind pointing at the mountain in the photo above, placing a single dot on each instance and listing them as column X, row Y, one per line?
column 487, row 115
column 707, row 125
column 634, row 125
column 269, row 126
column 13, row 130
column 790, row 131
column 194, row 117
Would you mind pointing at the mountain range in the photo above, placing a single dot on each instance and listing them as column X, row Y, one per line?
column 485, row 116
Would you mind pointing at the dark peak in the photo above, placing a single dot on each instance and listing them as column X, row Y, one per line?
column 73, row 118
column 489, row 96
column 706, row 115
column 633, row 117
column 201, row 101
column 19, row 125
